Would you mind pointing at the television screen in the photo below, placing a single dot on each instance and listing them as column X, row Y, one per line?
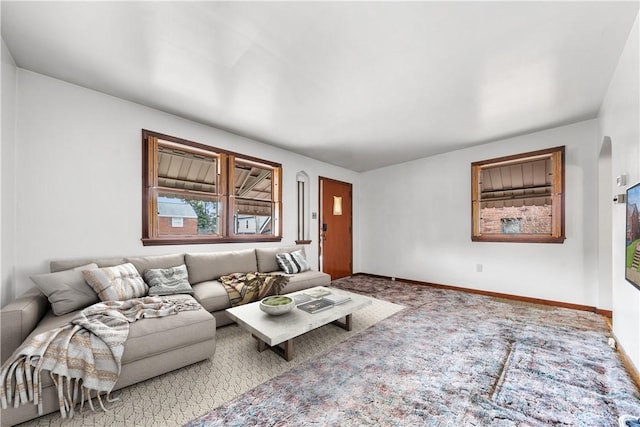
column 632, row 242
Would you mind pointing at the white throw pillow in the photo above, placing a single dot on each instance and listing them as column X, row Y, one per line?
column 118, row 283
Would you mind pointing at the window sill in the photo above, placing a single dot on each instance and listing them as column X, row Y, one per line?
column 517, row 238
column 161, row 241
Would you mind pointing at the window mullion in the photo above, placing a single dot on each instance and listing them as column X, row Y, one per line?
column 152, row 180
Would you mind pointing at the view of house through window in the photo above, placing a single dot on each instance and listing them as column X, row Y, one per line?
column 193, row 193
column 194, row 216
column 253, row 198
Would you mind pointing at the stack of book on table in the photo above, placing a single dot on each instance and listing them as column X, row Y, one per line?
column 337, row 299
column 317, row 300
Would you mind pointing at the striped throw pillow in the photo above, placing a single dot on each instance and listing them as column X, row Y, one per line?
column 118, row 283
column 292, row 263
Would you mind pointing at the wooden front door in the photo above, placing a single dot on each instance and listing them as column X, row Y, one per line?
column 336, row 235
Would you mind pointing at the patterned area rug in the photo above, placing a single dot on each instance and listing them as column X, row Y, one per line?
column 450, row 359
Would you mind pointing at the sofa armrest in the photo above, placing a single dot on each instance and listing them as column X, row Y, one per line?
column 19, row 318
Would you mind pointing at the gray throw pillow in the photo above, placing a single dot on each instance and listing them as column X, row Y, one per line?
column 67, row 290
column 168, row 281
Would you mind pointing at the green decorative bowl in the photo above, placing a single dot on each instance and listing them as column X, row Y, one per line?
column 277, row 304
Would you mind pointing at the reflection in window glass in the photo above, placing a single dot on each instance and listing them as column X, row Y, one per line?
column 253, row 217
column 185, row 170
column 517, row 198
column 253, row 191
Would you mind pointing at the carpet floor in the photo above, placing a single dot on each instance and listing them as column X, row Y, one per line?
column 179, row 396
column 449, row 359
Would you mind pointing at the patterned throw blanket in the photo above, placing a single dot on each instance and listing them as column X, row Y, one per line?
column 244, row 288
column 83, row 356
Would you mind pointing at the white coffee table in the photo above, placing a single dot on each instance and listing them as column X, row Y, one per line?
column 278, row 332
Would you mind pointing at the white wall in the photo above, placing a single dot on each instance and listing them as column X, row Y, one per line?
column 605, row 200
column 416, row 223
column 619, row 120
column 78, row 175
column 7, row 170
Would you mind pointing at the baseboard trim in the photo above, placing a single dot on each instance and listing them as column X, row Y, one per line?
column 626, row 361
column 624, row 357
column 605, row 313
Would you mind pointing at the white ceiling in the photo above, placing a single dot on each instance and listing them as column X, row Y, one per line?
column 356, row 84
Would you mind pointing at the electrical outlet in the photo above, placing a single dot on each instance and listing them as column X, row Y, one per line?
column 479, row 268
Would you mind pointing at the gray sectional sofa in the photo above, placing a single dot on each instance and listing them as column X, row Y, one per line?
column 157, row 345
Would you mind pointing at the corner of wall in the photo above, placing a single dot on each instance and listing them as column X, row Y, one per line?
column 619, row 120
column 7, row 162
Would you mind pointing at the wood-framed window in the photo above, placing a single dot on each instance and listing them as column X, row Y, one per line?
column 519, row 198
column 221, row 196
column 302, row 180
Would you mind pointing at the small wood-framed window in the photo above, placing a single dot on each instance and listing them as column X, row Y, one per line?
column 302, row 181
column 519, row 198
column 219, row 196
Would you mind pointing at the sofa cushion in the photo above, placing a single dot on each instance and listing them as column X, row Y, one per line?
column 211, row 295
column 162, row 334
column 168, row 281
column 293, row 262
column 67, row 290
column 151, row 336
column 266, row 257
column 306, row 280
column 210, row 266
column 158, row 261
column 117, row 283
